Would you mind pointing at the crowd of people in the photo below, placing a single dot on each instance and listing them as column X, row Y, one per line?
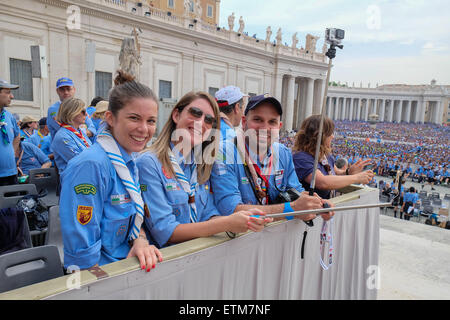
column 218, row 165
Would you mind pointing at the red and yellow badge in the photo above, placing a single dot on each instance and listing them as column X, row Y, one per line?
column 84, row 214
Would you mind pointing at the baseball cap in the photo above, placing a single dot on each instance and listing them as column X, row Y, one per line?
column 228, row 96
column 255, row 101
column 6, row 85
column 64, row 82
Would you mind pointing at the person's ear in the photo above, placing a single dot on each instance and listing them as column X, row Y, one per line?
column 176, row 115
column 109, row 118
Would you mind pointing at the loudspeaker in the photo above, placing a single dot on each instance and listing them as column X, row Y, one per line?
column 38, row 62
column 90, row 56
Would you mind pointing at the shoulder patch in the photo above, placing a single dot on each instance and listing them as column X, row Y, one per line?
column 85, row 189
column 84, row 214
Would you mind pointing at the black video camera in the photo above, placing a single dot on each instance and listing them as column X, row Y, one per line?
column 287, row 196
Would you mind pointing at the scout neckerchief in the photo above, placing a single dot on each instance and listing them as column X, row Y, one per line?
column 263, row 177
column 3, row 124
column 260, row 192
column 109, row 144
column 27, row 133
column 188, row 186
column 76, row 132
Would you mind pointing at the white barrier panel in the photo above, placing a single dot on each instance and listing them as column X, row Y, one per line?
column 264, row 265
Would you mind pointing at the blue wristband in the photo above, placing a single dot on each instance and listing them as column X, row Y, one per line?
column 288, row 208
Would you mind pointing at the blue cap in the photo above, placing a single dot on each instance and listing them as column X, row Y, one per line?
column 255, row 101
column 64, row 82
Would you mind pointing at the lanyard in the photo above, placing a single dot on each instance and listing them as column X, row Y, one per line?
column 264, row 181
column 76, row 132
column 40, row 134
column 326, row 236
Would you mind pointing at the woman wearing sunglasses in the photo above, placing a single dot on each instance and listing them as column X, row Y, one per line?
column 176, row 170
column 70, row 140
column 327, row 179
column 102, row 209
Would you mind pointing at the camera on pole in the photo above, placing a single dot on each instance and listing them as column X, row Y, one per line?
column 334, row 37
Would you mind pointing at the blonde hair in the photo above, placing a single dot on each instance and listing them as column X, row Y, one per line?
column 69, row 109
column 161, row 145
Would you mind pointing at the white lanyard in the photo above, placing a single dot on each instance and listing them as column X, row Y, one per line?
column 326, row 237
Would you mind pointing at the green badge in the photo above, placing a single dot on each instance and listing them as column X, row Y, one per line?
column 85, row 189
column 143, row 187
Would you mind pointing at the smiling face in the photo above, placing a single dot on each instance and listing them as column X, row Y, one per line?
column 134, row 125
column 263, row 121
column 190, row 124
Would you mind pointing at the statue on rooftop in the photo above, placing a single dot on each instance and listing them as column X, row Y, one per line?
column 268, row 33
column 241, row 25
column 310, row 45
column 231, row 21
column 294, row 41
column 279, row 37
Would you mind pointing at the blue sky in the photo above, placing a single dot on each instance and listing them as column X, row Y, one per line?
column 386, row 41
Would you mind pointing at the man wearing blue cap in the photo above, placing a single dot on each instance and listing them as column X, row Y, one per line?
column 231, row 102
column 254, row 169
column 65, row 89
column 10, row 136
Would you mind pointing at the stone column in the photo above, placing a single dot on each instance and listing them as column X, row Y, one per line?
column 358, row 110
column 390, row 111
column 366, row 109
column 351, row 109
column 328, row 107
column 383, row 107
column 290, row 103
column 309, row 97
column 278, row 86
column 399, row 111
column 408, row 111
column 422, row 111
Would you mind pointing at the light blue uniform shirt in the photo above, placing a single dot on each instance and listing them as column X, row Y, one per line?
column 32, row 158
column 25, row 135
column 95, row 208
column 43, row 143
column 226, row 132
column 166, row 199
column 411, row 197
column 231, row 186
column 53, row 126
column 7, row 159
column 65, row 146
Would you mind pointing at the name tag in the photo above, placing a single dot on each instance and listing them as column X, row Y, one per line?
column 120, row 199
column 172, row 186
column 244, row 180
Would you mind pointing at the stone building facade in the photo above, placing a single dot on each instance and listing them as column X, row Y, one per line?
column 180, row 51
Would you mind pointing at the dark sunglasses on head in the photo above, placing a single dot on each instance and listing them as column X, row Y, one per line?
column 197, row 113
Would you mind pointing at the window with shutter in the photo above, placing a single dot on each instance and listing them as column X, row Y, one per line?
column 20, row 74
column 103, row 83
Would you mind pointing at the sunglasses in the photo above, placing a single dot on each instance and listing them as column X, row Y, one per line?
column 197, row 113
column 83, row 112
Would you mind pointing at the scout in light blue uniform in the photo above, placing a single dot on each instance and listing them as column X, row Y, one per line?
column 54, row 127
column 167, row 201
column 97, row 210
column 232, row 187
column 7, row 160
column 230, row 101
column 44, row 143
column 67, row 145
column 32, row 158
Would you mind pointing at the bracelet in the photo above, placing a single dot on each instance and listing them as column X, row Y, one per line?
column 288, row 208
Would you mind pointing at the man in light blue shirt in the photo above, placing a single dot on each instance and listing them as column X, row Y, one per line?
column 65, row 89
column 31, row 157
column 234, row 185
column 42, row 139
column 9, row 136
column 231, row 104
